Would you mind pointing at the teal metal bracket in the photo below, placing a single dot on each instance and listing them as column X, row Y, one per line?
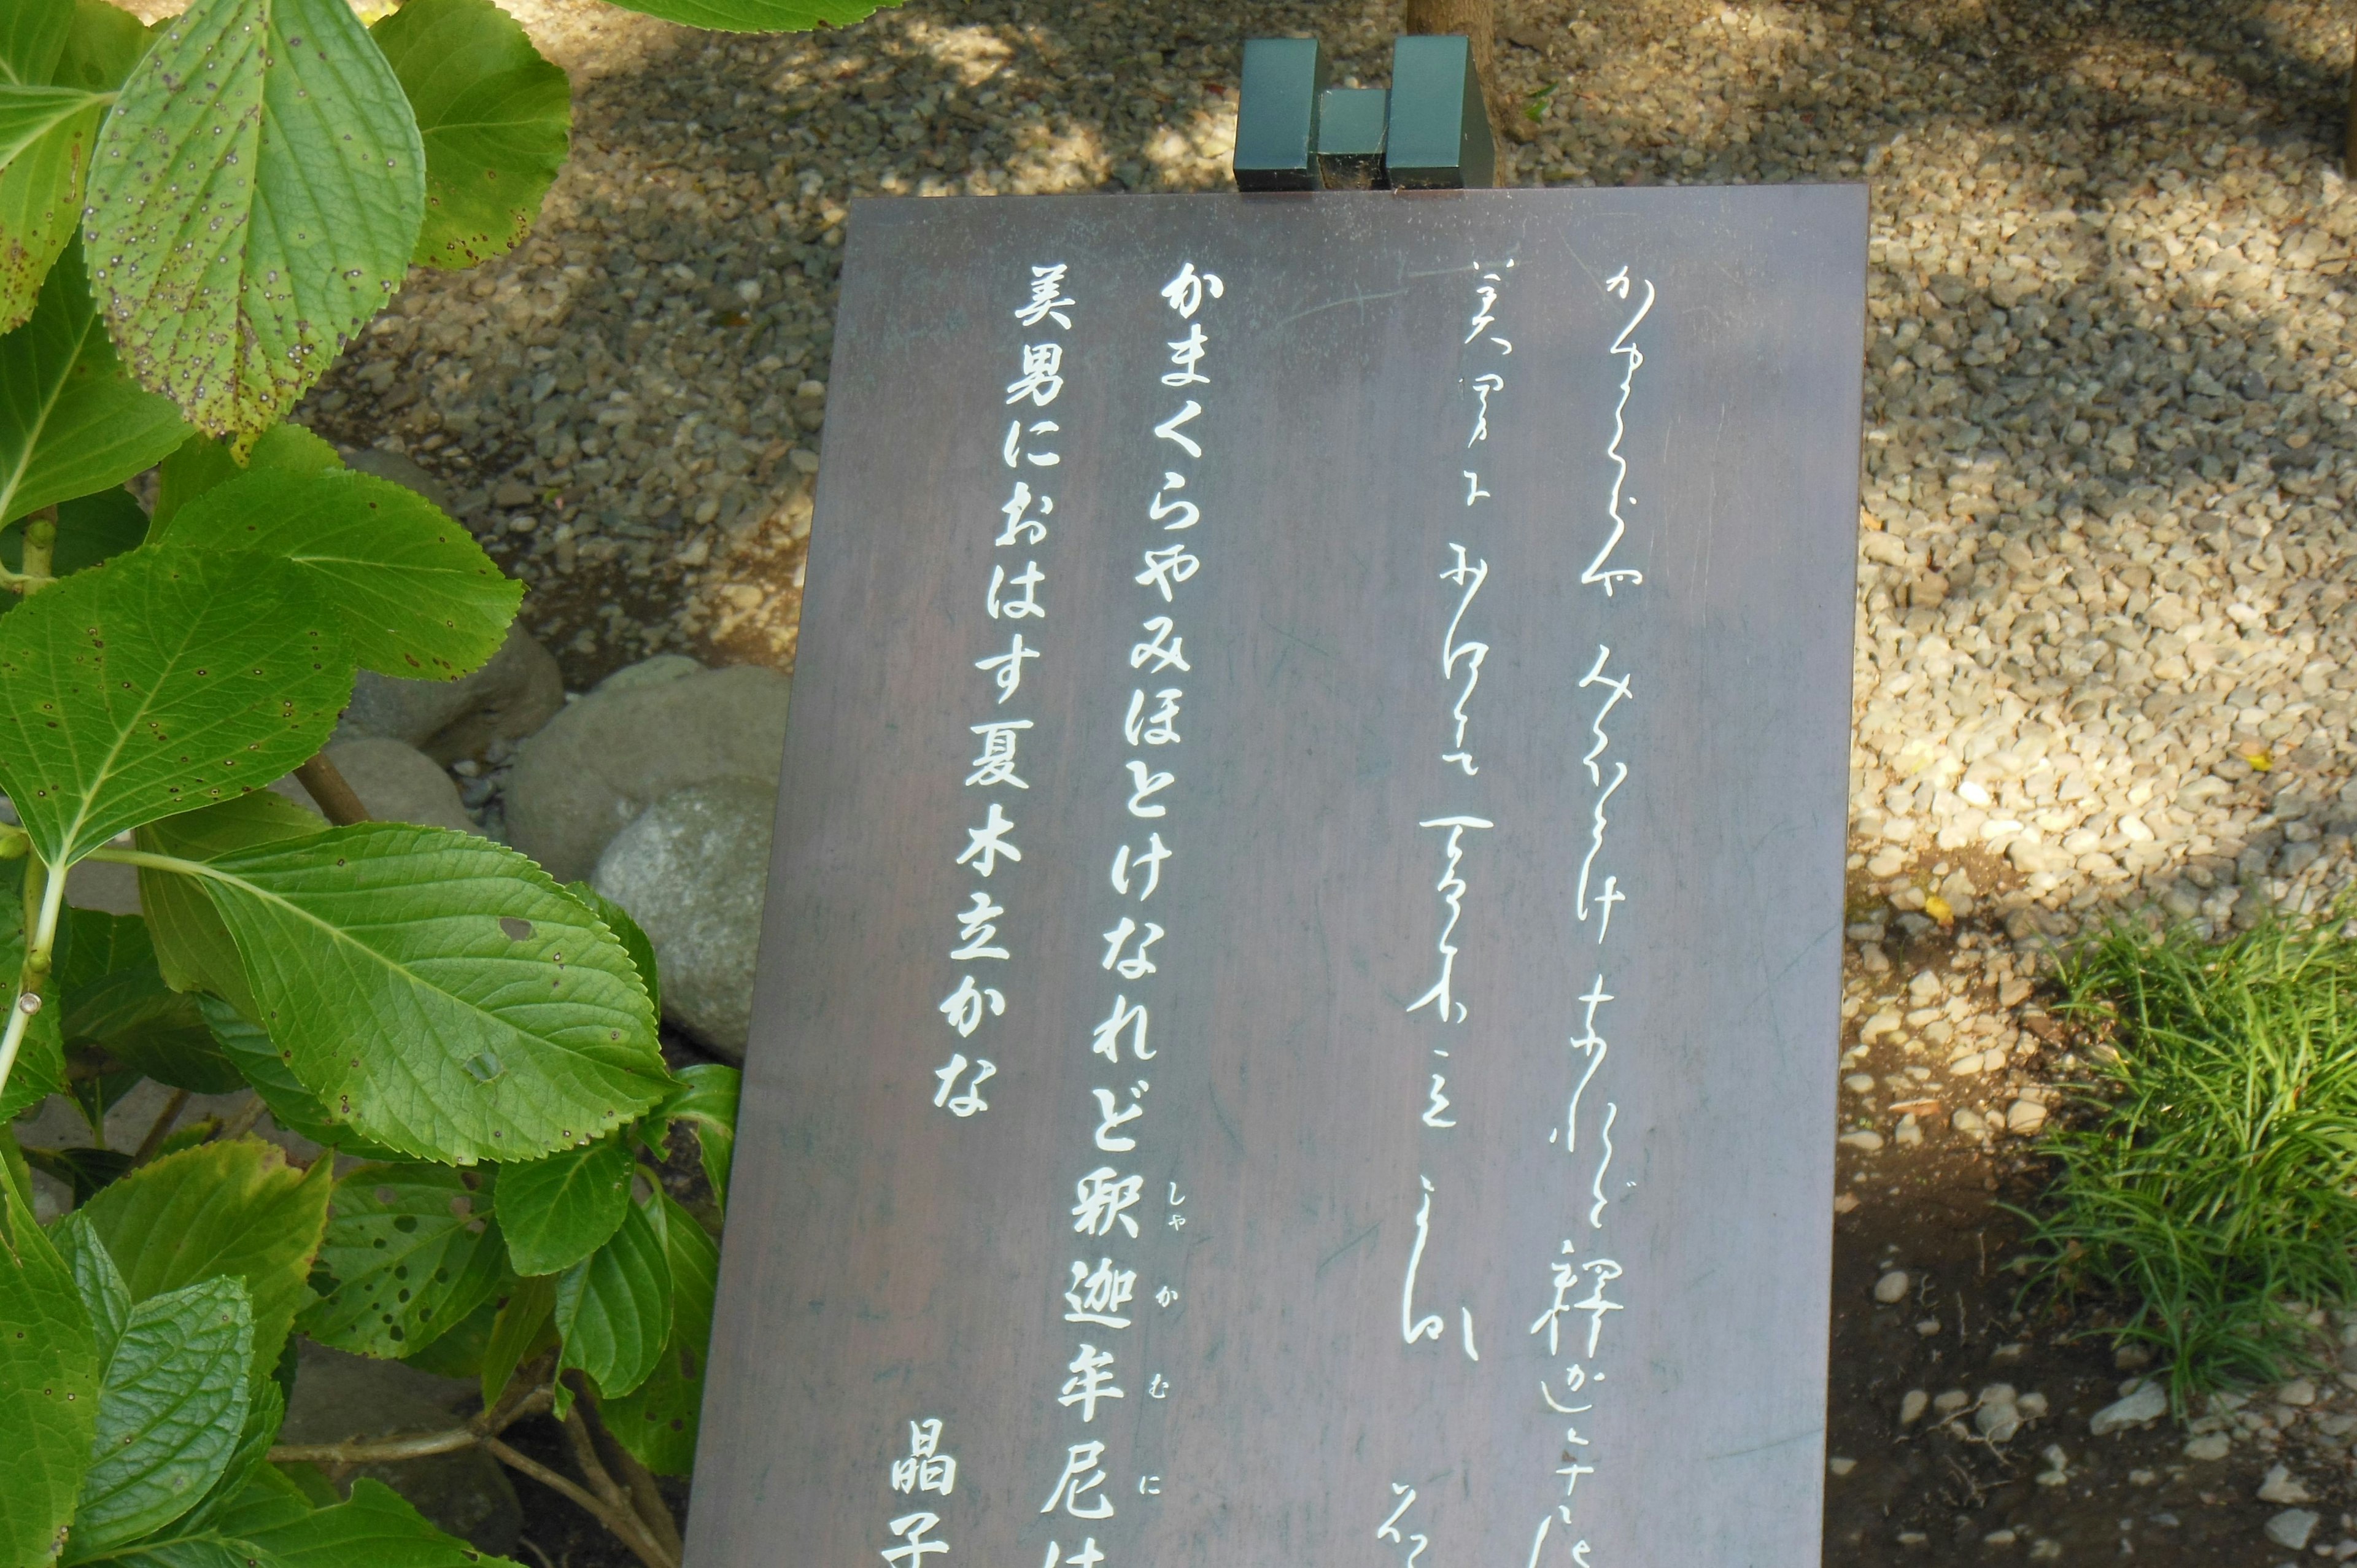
column 1428, row 132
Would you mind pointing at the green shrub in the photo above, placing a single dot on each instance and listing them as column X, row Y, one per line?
column 2209, row 1188
column 195, row 219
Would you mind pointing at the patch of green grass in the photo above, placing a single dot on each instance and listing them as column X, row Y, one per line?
column 2214, row 1178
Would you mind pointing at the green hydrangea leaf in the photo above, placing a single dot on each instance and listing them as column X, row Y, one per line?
column 705, row 1099
column 495, row 119
column 558, row 1210
column 32, row 38
column 458, row 1350
column 157, row 682
column 236, row 1208
column 170, row 1409
column 657, row 1420
column 376, row 1529
column 41, row 159
column 103, row 44
column 439, row 992
column 413, row 1249
column 71, row 420
column 613, row 1308
column 193, row 948
column 415, row 593
column 199, row 463
column 115, row 1000
column 253, row 198
column 96, row 1279
column 626, row 931
column 28, row 113
column 525, row 1326
column 49, row 1370
column 760, row 15
column 292, row 1106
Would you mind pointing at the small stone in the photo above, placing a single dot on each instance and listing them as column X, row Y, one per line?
column 397, row 783
column 614, row 753
column 1950, row 1401
column 1892, row 1287
column 1967, row 1121
column 1841, row 1466
column 1909, row 1134
column 2129, row 1358
column 2281, row 1486
column 2291, row 1528
column 512, row 694
column 2142, row 1477
column 651, row 671
column 2005, row 1536
column 2299, row 1391
column 1845, row 1203
column 693, row 870
column 2024, row 1117
column 2210, row 1445
column 1859, row 1082
column 2149, row 1401
column 509, row 493
column 1865, row 1141
column 1928, row 1326
column 2032, row 1406
column 1911, row 1406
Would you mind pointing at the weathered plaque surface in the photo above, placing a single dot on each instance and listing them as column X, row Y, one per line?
column 1298, row 1011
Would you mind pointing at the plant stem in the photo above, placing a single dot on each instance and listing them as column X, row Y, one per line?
column 377, row 1450
column 484, row 1429
column 646, row 1494
column 41, row 550
column 623, row 1524
column 162, row 1128
column 336, row 799
column 45, row 898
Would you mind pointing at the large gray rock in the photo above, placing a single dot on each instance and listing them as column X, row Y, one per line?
column 692, row 869
column 397, row 783
column 620, row 749
column 339, row 1397
column 514, row 693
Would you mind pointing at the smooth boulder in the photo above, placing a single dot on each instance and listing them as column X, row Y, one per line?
column 630, row 743
column 397, row 783
column 513, row 692
column 693, row 869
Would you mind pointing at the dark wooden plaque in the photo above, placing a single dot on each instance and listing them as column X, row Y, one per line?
column 1298, row 1010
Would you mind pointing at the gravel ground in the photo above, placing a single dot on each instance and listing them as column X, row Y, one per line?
column 2104, row 657
column 2101, row 652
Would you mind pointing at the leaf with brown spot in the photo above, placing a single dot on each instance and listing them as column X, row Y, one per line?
column 254, row 199
column 417, row 596
column 71, row 423
column 157, row 682
column 496, row 120
column 376, row 959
